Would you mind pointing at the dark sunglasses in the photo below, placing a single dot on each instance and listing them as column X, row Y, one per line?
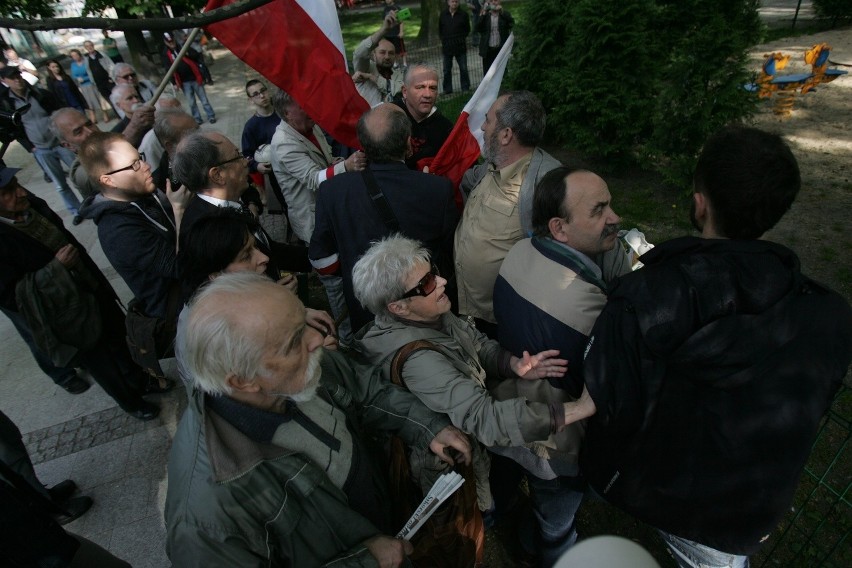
column 426, row 285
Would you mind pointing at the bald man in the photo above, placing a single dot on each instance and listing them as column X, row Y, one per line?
column 348, row 219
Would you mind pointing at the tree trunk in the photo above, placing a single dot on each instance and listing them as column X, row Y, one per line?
column 429, row 12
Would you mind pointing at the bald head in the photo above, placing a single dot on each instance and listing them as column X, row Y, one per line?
column 71, row 127
column 384, row 132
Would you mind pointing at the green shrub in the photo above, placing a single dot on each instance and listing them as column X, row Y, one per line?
column 835, row 9
column 625, row 80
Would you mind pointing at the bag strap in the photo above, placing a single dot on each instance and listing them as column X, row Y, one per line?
column 380, row 202
column 402, row 355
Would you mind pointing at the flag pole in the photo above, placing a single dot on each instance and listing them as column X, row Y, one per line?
column 168, row 76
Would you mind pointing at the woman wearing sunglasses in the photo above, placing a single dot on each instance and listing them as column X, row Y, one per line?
column 396, row 281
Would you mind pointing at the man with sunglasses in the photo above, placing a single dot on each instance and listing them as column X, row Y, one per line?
column 138, row 225
column 125, row 74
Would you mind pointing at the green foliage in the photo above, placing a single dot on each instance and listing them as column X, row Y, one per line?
column 27, row 8
column 700, row 87
column 833, row 8
column 624, row 79
column 143, row 7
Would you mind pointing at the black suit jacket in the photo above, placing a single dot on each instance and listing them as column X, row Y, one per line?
column 347, row 220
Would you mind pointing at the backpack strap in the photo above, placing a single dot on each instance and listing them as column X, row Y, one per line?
column 380, row 202
column 402, row 355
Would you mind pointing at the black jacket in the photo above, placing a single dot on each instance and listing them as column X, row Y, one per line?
column 453, row 30
column 45, row 98
column 505, row 22
column 140, row 245
column 21, row 254
column 347, row 220
column 711, row 368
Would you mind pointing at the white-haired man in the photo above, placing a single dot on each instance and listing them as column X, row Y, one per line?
column 269, row 464
column 138, row 118
column 125, row 74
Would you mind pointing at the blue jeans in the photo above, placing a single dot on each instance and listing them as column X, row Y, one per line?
column 49, row 160
column 461, row 58
column 554, row 503
column 689, row 554
column 192, row 89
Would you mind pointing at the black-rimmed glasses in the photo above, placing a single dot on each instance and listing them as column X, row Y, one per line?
column 426, row 285
column 135, row 165
column 225, row 162
column 258, row 92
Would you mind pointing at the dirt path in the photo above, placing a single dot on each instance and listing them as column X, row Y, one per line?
column 820, row 133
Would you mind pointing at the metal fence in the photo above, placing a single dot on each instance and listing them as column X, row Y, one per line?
column 818, row 528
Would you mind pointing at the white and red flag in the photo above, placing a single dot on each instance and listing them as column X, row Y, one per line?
column 466, row 142
column 297, row 45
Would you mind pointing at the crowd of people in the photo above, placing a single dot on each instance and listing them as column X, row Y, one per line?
column 687, row 392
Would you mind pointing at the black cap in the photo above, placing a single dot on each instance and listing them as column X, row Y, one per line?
column 6, row 175
column 9, row 71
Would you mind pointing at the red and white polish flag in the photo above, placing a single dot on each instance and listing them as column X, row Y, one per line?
column 466, row 141
column 297, row 45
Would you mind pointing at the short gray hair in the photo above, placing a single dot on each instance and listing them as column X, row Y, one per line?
column 378, row 278
column 524, row 114
column 406, row 78
column 115, row 94
column 281, row 101
column 212, row 344
column 118, row 70
column 167, row 103
column 194, row 157
column 56, row 115
column 164, row 128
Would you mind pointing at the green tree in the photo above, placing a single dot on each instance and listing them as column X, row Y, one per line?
column 700, row 87
column 590, row 62
column 429, row 12
column 625, row 80
column 834, row 9
column 27, row 8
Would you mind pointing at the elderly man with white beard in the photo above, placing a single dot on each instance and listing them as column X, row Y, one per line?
column 270, row 464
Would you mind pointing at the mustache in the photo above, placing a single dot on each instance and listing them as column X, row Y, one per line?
column 609, row 230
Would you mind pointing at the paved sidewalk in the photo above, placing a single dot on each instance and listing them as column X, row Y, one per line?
column 119, row 461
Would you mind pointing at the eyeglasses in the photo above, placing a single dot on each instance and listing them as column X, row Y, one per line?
column 258, row 93
column 128, row 76
column 426, row 285
column 225, row 162
column 137, row 163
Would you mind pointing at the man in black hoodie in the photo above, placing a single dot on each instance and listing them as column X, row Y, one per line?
column 137, row 224
column 710, row 368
